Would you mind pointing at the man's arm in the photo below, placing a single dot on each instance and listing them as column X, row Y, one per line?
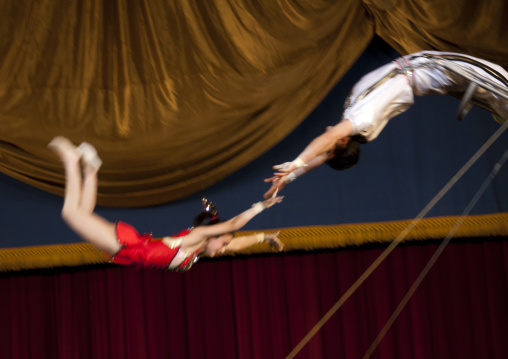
column 279, row 182
column 320, row 145
column 312, row 156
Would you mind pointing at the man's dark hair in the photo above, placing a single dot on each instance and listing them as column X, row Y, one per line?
column 345, row 157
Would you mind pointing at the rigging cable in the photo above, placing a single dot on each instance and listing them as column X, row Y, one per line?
column 396, row 241
column 436, row 254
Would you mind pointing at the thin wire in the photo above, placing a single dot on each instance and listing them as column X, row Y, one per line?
column 397, row 240
column 436, row 255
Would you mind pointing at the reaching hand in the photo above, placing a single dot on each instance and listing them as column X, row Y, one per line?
column 284, row 168
column 273, row 241
column 278, row 184
column 267, row 203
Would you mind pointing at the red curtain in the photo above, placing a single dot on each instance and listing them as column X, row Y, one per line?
column 261, row 307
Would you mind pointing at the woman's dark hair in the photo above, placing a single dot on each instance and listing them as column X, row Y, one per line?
column 208, row 216
column 347, row 156
column 205, row 219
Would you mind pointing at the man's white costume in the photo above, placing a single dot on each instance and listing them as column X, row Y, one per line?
column 390, row 89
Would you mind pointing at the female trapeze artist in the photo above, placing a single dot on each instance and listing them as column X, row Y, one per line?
column 386, row 92
column 124, row 244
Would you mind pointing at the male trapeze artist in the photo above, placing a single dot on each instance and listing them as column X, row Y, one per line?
column 388, row 91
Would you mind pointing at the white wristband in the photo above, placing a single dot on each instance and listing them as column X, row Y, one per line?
column 290, row 178
column 298, row 162
column 258, row 207
column 260, row 237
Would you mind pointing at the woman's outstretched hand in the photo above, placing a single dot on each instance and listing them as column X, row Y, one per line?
column 278, row 184
column 267, row 203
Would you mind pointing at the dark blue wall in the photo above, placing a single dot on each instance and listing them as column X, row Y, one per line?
column 413, row 158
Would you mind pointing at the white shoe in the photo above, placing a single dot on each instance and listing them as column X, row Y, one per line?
column 61, row 143
column 89, row 155
column 64, row 148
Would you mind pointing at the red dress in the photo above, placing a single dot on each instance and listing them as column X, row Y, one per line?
column 144, row 250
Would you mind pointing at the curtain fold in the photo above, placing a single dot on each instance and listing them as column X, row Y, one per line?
column 176, row 95
column 470, row 27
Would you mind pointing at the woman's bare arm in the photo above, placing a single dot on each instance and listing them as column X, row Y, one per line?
column 239, row 243
column 199, row 234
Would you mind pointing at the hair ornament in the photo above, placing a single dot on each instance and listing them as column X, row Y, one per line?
column 210, row 208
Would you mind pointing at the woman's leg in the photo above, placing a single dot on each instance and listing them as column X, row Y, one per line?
column 91, row 164
column 89, row 191
column 76, row 210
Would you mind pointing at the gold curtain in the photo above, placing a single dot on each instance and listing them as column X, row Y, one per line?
column 175, row 94
column 477, row 28
column 178, row 94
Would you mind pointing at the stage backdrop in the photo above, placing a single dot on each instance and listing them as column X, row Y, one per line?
column 398, row 174
column 256, row 306
column 262, row 307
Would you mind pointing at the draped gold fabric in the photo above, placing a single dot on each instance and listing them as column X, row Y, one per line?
column 472, row 27
column 178, row 94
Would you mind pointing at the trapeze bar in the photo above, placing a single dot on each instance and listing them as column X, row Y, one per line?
column 465, row 104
